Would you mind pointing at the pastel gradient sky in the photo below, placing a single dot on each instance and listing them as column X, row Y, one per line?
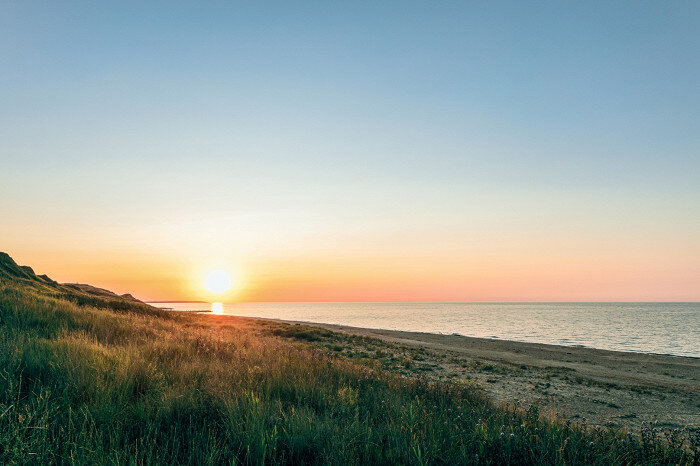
column 357, row 151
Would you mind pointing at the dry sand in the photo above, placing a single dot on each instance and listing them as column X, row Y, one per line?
column 605, row 387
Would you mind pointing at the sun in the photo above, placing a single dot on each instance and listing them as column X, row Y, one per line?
column 218, row 281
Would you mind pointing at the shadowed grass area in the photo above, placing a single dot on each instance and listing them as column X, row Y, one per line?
column 93, row 380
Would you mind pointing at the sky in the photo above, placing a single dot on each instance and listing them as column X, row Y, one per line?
column 355, row 151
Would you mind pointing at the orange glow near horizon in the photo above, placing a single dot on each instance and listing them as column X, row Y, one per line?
column 415, row 260
column 446, row 274
column 529, row 247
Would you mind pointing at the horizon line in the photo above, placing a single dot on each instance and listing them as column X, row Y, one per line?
column 423, row 302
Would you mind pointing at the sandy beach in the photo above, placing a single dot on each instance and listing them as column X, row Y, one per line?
column 603, row 387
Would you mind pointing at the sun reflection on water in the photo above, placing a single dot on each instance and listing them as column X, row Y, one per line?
column 217, row 308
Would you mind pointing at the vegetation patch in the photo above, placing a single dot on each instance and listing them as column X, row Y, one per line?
column 99, row 380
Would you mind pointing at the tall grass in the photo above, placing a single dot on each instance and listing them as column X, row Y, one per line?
column 98, row 383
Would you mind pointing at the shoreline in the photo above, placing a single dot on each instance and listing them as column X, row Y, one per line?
column 350, row 328
column 581, row 384
column 650, row 337
column 342, row 327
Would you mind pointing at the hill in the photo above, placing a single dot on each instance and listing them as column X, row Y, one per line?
column 9, row 270
column 93, row 378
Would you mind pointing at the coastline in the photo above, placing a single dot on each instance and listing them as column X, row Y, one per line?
column 604, row 387
column 629, row 327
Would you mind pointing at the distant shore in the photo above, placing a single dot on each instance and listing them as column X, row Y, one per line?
column 605, row 387
column 175, row 302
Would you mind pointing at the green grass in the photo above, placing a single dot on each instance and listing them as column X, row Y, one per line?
column 100, row 381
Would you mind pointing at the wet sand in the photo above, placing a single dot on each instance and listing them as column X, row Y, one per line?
column 604, row 387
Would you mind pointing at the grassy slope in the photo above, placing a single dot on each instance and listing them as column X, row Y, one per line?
column 93, row 380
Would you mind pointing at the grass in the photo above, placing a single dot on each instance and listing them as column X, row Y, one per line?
column 101, row 381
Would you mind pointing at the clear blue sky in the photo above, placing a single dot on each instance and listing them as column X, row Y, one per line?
column 355, row 121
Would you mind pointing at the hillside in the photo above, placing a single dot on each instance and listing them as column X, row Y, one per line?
column 25, row 275
column 93, row 378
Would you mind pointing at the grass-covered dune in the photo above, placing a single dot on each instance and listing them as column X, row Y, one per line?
column 91, row 379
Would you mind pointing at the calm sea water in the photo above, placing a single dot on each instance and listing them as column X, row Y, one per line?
column 665, row 328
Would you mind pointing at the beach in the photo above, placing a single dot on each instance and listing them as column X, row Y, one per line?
column 93, row 377
column 600, row 387
column 662, row 328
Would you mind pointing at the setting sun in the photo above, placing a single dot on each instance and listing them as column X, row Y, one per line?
column 218, row 281
column 350, row 232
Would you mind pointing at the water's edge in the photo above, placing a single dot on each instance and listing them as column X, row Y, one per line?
column 671, row 329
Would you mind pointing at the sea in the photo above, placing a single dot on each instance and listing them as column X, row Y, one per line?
column 661, row 328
